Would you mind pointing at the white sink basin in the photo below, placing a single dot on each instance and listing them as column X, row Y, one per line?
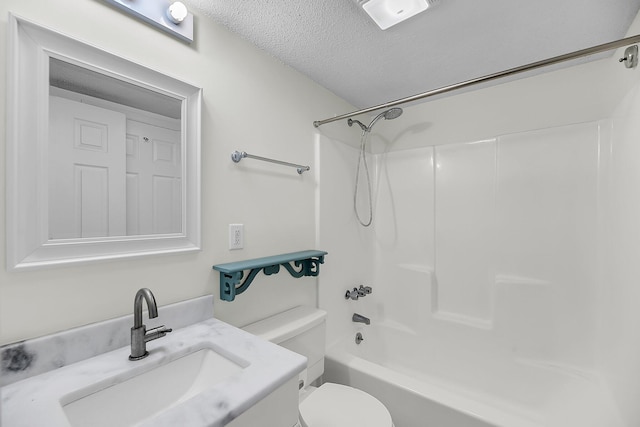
column 137, row 398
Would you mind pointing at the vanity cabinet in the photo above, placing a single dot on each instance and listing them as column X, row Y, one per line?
column 279, row 409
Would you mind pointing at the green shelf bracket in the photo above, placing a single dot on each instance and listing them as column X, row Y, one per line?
column 298, row 264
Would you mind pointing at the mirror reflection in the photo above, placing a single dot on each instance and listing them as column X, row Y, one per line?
column 114, row 156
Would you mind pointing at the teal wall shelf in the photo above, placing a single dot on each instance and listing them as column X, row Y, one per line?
column 307, row 263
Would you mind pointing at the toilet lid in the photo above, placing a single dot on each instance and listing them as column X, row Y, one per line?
column 335, row 405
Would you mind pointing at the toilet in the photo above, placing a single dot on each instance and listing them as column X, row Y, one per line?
column 302, row 330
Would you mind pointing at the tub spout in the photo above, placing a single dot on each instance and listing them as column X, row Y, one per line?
column 360, row 319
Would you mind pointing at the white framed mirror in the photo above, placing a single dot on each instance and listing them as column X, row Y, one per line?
column 103, row 154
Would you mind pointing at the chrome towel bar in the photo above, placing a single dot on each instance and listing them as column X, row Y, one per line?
column 236, row 156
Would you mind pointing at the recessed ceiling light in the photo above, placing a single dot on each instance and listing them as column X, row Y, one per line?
column 387, row 13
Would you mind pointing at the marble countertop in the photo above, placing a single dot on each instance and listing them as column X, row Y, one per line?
column 36, row 401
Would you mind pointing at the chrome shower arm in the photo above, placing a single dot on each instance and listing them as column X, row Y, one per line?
column 364, row 128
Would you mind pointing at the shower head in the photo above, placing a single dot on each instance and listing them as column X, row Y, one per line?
column 390, row 114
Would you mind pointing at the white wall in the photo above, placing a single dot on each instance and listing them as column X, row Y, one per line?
column 506, row 226
column 252, row 102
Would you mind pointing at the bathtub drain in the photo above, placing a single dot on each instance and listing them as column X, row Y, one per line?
column 359, row 338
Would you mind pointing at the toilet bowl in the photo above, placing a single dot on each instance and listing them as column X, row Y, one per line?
column 302, row 329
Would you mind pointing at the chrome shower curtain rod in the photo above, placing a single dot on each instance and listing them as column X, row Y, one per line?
column 528, row 67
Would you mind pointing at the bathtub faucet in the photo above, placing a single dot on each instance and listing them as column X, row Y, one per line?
column 364, row 290
column 360, row 319
column 356, row 293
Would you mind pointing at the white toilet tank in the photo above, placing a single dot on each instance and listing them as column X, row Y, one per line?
column 302, row 330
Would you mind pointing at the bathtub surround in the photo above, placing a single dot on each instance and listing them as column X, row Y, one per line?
column 35, row 356
column 480, row 250
column 502, row 252
column 452, row 385
column 618, row 341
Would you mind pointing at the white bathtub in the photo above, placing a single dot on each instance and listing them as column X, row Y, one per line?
column 425, row 385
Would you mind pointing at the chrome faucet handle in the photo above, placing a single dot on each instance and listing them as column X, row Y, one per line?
column 366, row 289
column 354, row 294
column 155, row 333
column 161, row 328
column 361, row 292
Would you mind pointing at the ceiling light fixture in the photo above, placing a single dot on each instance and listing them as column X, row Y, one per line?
column 387, row 13
column 172, row 17
column 177, row 12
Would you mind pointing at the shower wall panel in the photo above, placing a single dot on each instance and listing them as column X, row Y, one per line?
column 546, row 206
column 497, row 237
column 404, row 208
column 404, row 237
column 349, row 245
column 465, row 231
column 619, row 292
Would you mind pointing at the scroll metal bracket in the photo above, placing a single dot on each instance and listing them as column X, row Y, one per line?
column 298, row 264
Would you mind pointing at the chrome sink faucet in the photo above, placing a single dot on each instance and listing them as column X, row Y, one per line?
column 139, row 333
column 361, row 319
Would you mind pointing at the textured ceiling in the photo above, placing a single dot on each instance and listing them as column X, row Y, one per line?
column 337, row 45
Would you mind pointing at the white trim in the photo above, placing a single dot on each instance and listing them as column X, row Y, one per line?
column 30, row 47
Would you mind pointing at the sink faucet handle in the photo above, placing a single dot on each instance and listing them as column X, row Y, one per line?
column 160, row 328
column 155, row 333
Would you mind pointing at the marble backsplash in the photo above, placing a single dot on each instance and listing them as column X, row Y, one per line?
column 31, row 357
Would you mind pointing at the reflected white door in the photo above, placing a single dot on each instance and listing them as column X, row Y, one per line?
column 154, row 179
column 87, row 166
